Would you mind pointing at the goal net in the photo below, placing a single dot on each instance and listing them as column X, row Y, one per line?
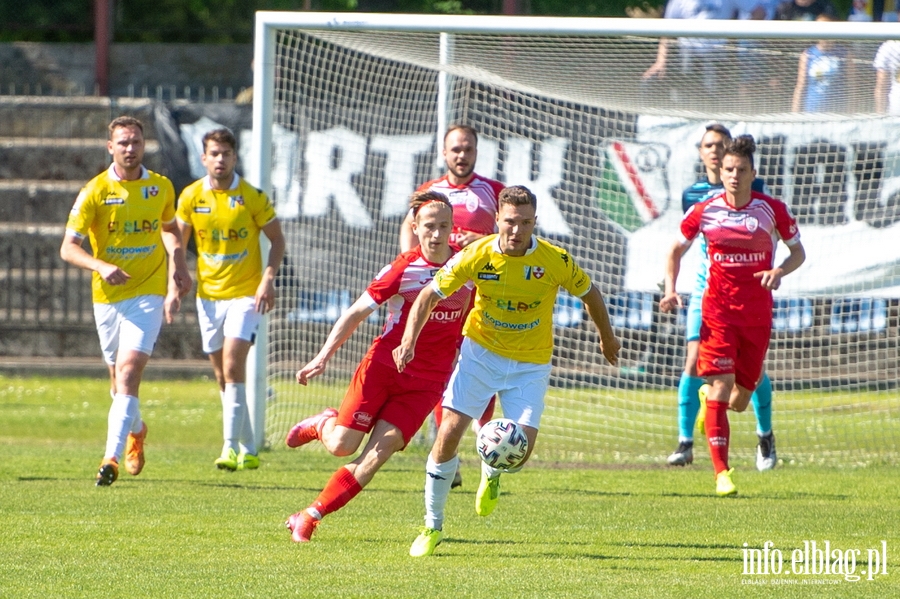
column 351, row 111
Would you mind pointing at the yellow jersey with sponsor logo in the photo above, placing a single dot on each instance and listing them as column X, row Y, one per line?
column 226, row 226
column 513, row 312
column 123, row 222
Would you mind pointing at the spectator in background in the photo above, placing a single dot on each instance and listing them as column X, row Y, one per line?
column 245, row 96
column 696, row 69
column 887, row 90
column 804, row 10
column 821, row 76
column 756, row 68
column 859, row 11
column 758, row 10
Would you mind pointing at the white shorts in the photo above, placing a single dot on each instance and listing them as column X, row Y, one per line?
column 131, row 324
column 236, row 318
column 480, row 373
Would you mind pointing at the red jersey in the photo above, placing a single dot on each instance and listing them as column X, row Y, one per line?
column 474, row 203
column 740, row 243
column 399, row 284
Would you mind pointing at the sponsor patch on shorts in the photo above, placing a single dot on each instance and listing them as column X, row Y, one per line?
column 362, row 418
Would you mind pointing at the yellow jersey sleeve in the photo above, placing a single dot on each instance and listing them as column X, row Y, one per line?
column 226, row 227
column 515, row 295
column 262, row 208
column 123, row 221
column 82, row 214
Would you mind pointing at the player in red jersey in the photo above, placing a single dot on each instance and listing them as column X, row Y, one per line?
column 742, row 228
column 473, row 197
column 390, row 405
column 474, row 200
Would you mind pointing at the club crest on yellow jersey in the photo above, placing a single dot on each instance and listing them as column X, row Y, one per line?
column 536, row 271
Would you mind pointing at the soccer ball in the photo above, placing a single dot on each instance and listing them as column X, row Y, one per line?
column 502, row 443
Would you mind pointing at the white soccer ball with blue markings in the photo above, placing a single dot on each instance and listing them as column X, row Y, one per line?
column 502, row 443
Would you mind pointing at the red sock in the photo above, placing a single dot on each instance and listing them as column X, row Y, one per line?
column 341, row 488
column 488, row 412
column 718, row 434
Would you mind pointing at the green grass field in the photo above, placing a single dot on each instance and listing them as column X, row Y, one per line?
column 184, row 529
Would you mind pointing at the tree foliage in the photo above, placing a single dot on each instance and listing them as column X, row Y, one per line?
column 222, row 21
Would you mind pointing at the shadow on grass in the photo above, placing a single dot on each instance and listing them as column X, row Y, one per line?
column 566, row 551
column 679, row 545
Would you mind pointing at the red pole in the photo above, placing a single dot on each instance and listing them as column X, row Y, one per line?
column 102, row 28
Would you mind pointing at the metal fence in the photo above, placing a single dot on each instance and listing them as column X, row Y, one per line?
column 162, row 93
column 41, row 290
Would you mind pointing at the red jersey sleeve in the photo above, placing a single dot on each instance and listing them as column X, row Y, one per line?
column 785, row 222
column 497, row 186
column 427, row 185
column 690, row 222
column 386, row 283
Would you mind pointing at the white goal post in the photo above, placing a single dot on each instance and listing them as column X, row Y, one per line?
column 349, row 110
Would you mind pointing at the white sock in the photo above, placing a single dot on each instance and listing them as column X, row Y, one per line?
column 490, row 471
column 123, row 413
column 231, row 417
column 245, row 428
column 137, row 423
column 438, row 478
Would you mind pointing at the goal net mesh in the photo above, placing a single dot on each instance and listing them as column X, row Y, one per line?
column 358, row 123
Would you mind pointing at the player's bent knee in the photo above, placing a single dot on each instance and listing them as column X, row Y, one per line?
column 342, row 445
column 740, row 400
column 341, row 450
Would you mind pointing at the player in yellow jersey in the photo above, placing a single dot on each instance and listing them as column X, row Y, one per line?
column 507, row 347
column 139, row 275
column 226, row 215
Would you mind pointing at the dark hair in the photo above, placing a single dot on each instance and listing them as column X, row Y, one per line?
column 421, row 198
column 720, row 129
column 125, row 121
column 466, row 128
column 742, row 145
column 517, row 195
column 222, row 135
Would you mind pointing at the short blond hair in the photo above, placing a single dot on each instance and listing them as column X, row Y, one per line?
column 125, row 121
column 517, row 195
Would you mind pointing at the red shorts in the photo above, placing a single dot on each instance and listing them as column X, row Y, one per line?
column 732, row 349
column 379, row 392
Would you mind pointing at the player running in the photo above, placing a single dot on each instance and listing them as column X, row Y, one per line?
column 226, row 215
column 508, row 344
column 692, row 389
column 741, row 227
column 390, row 405
column 474, row 200
column 128, row 213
